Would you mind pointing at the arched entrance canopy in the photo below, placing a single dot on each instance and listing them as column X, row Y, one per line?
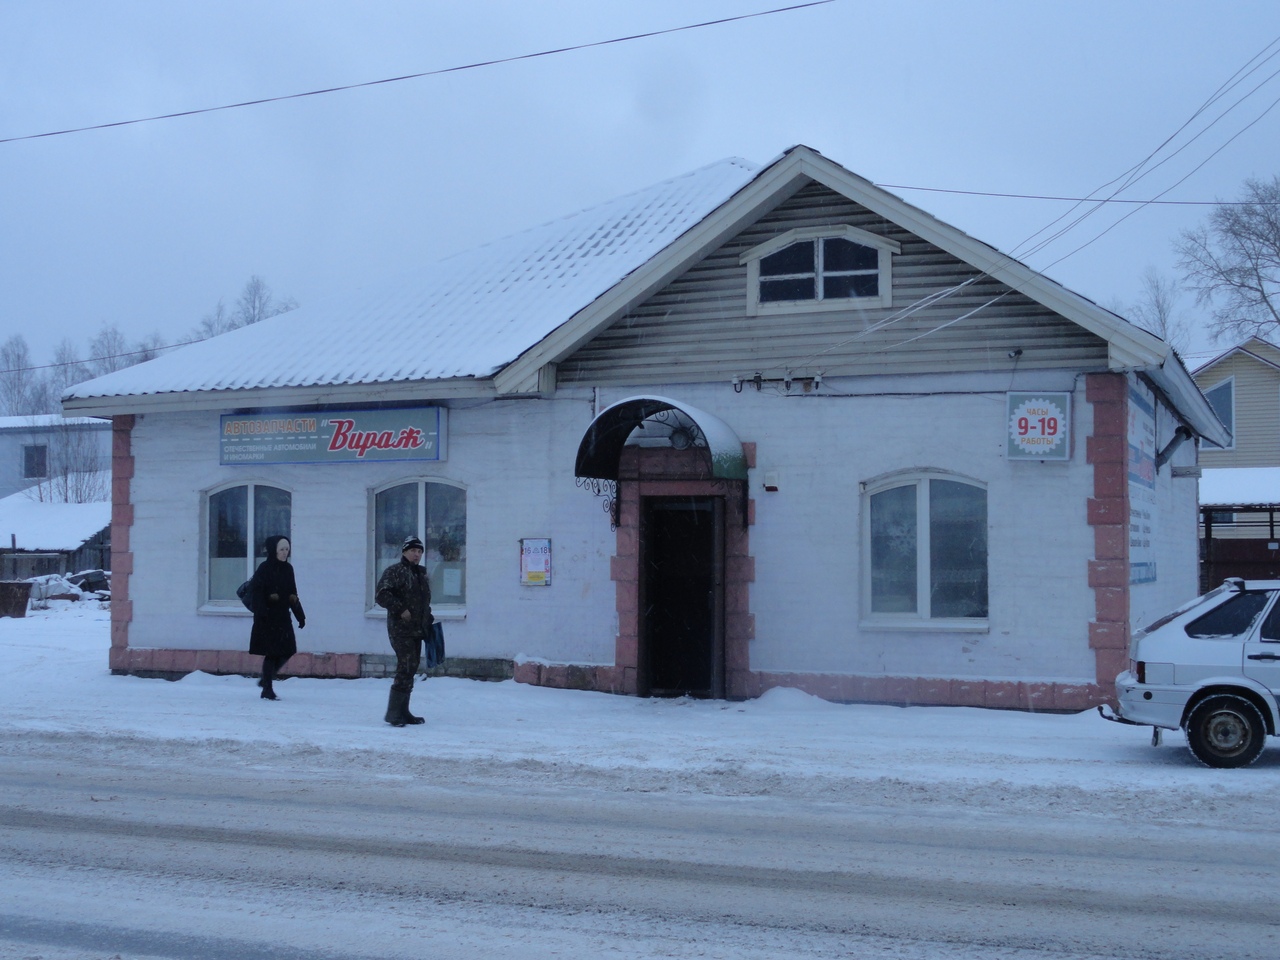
column 601, row 446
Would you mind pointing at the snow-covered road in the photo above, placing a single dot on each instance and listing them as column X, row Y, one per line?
column 150, row 819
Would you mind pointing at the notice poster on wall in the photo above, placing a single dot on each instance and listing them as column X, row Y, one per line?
column 1039, row 426
column 1142, row 484
column 535, row 562
column 332, row 436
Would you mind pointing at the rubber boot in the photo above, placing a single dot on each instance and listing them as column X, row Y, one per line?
column 269, row 667
column 397, row 707
column 409, row 717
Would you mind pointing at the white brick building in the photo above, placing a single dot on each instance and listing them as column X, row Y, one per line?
column 839, row 445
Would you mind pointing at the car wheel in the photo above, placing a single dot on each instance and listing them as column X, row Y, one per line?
column 1225, row 731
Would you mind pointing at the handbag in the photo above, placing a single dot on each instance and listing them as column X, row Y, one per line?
column 245, row 593
column 435, row 645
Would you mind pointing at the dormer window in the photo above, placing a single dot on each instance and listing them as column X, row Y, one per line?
column 819, row 268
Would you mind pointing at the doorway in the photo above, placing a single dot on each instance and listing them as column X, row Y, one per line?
column 682, row 596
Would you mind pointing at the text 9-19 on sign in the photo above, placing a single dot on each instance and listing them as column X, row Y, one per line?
column 1039, row 426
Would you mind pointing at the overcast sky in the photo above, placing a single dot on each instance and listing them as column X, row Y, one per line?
column 148, row 225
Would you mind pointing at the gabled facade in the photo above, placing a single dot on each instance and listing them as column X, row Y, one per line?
column 1240, row 491
column 745, row 428
column 1243, row 385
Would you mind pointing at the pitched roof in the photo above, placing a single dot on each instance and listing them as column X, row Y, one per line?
column 466, row 316
column 43, row 525
column 1248, row 348
column 485, row 322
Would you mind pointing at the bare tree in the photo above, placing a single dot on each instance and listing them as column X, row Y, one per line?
column 1233, row 262
column 1156, row 310
column 67, row 369
column 77, row 471
column 148, row 348
column 109, row 351
column 215, row 323
column 256, row 303
column 18, row 380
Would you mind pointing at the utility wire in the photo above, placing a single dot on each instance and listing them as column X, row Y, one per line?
column 425, row 73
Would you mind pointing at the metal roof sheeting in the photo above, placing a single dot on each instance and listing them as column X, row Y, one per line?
column 465, row 316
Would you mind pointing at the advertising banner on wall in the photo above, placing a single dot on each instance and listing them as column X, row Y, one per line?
column 1142, row 484
column 332, row 436
column 1039, row 426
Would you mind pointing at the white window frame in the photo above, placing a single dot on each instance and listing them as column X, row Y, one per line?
column 885, row 247
column 920, row 619
column 233, row 606
column 34, row 476
column 442, row 611
column 1235, row 399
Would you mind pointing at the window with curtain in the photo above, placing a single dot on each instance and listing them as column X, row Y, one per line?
column 240, row 520
column 927, row 549
column 434, row 512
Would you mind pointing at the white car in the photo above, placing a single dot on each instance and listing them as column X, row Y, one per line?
column 1211, row 668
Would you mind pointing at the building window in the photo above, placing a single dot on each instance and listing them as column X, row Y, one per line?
column 237, row 534
column 926, row 551
column 436, row 513
column 35, row 462
column 1223, row 400
column 819, row 268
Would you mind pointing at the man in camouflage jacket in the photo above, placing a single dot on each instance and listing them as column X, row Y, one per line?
column 405, row 592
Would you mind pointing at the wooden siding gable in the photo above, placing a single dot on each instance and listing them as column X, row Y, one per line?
column 945, row 314
column 1128, row 346
column 1256, row 395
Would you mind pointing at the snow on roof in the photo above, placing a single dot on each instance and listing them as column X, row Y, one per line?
column 466, row 316
column 1239, row 486
column 43, row 525
column 43, row 421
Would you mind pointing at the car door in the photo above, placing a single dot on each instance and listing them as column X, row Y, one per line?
column 1262, row 651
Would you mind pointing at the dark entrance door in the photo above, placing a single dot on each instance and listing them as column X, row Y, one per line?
column 682, row 597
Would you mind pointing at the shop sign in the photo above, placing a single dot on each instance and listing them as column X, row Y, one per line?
column 535, row 562
column 1143, row 515
column 332, row 436
column 1039, row 426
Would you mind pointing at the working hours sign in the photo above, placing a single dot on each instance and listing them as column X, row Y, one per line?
column 334, row 436
column 1039, row 426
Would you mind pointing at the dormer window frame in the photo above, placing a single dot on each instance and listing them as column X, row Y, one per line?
column 884, row 247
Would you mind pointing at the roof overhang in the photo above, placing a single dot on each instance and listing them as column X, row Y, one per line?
column 409, row 391
column 601, row 446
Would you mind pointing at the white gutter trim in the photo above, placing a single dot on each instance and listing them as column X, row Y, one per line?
column 417, row 390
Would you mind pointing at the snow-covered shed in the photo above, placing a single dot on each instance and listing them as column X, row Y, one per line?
column 40, row 537
column 752, row 426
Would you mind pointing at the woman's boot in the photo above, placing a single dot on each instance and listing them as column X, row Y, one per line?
column 269, row 667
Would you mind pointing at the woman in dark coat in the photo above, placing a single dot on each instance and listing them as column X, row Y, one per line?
column 274, row 593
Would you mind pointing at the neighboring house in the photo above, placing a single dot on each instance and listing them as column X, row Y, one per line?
column 839, row 445
column 62, row 459
column 39, row 537
column 1240, row 487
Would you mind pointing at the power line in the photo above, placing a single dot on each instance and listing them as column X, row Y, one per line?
column 1037, row 196
column 417, row 76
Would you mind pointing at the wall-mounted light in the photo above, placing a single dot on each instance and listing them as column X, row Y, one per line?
column 680, row 438
column 771, row 481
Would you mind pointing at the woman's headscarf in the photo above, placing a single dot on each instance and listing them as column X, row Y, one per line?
column 272, row 543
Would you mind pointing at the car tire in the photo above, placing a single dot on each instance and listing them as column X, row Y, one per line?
column 1225, row 731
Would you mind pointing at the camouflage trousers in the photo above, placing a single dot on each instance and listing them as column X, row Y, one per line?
column 408, row 656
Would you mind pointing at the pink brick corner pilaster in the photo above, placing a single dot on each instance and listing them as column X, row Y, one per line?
column 1108, row 514
column 121, row 547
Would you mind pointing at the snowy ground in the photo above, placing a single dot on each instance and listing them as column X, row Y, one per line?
column 581, row 825
column 784, row 744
